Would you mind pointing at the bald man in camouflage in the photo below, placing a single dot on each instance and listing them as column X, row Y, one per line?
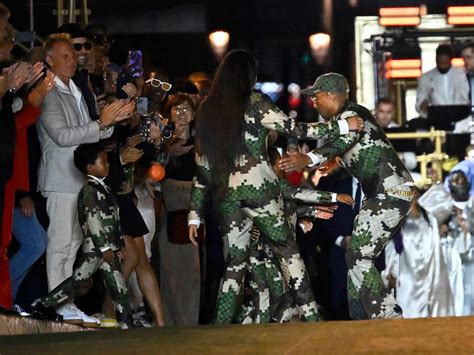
column 369, row 157
column 254, row 198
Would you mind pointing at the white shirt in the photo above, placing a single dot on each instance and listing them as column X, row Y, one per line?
column 100, row 181
column 439, row 89
column 74, row 90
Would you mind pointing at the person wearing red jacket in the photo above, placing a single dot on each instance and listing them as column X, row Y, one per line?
column 12, row 273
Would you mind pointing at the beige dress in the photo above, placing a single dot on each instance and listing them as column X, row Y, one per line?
column 179, row 263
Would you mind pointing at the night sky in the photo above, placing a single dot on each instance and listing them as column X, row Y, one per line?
column 276, row 31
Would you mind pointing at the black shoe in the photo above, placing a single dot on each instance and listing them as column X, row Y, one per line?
column 42, row 312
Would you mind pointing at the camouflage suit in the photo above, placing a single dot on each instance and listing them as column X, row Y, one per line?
column 99, row 218
column 270, row 299
column 370, row 157
column 254, row 198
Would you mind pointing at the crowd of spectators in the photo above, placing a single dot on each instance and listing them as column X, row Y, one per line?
column 127, row 120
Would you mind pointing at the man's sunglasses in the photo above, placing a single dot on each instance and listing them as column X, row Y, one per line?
column 158, row 83
column 78, row 46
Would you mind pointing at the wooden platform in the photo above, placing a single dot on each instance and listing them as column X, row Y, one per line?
column 438, row 335
column 16, row 325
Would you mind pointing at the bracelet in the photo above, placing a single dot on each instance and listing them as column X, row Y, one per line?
column 102, row 127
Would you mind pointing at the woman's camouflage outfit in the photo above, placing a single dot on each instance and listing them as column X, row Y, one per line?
column 369, row 157
column 270, row 299
column 99, row 219
column 254, row 198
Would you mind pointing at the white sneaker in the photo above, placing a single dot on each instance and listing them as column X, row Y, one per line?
column 74, row 314
column 69, row 314
column 87, row 321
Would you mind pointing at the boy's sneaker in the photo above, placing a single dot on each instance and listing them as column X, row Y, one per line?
column 106, row 322
column 73, row 315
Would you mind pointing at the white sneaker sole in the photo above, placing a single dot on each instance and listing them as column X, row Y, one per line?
column 73, row 321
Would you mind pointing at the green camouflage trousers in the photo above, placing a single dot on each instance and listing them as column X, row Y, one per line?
column 88, row 264
column 379, row 218
column 266, row 285
column 237, row 219
column 269, row 299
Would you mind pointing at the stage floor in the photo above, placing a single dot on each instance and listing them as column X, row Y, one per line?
column 438, row 335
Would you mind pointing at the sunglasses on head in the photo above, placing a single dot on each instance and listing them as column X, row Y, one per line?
column 78, row 46
column 158, row 83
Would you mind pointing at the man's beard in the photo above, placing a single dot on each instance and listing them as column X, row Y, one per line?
column 443, row 71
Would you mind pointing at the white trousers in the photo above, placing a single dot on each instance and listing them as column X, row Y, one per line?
column 64, row 236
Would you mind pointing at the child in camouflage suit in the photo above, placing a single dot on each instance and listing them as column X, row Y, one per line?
column 369, row 156
column 99, row 219
column 253, row 197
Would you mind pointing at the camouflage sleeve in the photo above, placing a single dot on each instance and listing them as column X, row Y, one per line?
column 336, row 147
column 275, row 119
column 306, row 211
column 304, row 195
column 95, row 219
column 199, row 189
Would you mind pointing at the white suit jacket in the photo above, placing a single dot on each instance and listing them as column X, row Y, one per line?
column 61, row 128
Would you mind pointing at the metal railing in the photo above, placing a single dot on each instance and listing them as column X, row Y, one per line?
column 71, row 12
column 436, row 158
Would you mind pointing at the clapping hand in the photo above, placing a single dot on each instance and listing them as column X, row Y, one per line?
column 39, row 93
column 35, row 73
column 294, row 162
column 125, row 111
column 14, row 77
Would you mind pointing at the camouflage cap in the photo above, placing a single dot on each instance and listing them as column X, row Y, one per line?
column 329, row 82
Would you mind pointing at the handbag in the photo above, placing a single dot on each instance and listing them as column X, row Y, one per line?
column 178, row 232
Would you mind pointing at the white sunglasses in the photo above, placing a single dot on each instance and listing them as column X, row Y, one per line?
column 157, row 83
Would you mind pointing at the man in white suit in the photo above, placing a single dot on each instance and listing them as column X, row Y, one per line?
column 443, row 85
column 63, row 125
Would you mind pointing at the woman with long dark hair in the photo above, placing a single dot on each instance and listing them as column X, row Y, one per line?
column 232, row 126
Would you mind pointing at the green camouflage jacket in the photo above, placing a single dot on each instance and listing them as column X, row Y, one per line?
column 367, row 155
column 253, row 177
column 299, row 201
column 98, row 213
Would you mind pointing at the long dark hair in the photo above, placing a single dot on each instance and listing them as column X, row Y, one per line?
column 220, row 119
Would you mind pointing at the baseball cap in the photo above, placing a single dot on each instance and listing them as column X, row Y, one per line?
column 329, row 82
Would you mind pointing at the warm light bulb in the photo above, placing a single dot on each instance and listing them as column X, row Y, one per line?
column 219, row 41
column 319, row 40
column 219, row 38
column 319, row 44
